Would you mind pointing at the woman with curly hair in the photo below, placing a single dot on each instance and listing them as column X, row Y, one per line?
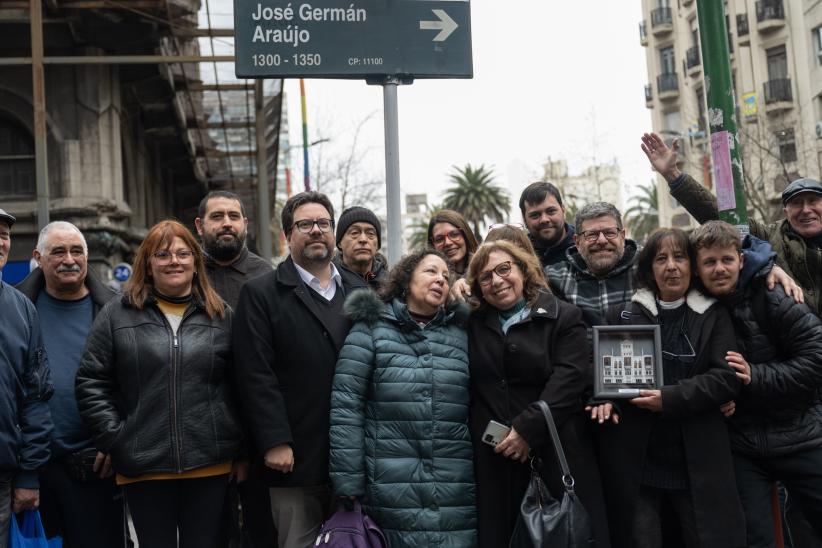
column 153, row 388
column 399, row 409
column 526, row 345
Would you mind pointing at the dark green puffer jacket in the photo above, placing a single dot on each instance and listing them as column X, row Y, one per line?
column 399, row 424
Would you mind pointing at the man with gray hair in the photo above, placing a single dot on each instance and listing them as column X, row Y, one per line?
column 598, row 272
column 77, row 487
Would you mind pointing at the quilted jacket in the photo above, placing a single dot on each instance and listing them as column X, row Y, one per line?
column 399, row 424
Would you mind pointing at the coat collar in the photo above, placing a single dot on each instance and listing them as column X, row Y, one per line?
column 546, row 307
column 35, row 282
column 695, row 300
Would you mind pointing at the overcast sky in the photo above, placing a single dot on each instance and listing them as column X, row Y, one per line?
column 551, row 79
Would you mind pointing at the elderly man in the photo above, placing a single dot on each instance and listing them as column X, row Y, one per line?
column 797, row 239
column 78, row 489
column 223, row 226
column 25, row 384
column 544, row 216
column 288, row 332
column 359, row 238
column 598, row 270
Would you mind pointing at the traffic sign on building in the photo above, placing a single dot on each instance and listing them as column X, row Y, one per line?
column 357, row 39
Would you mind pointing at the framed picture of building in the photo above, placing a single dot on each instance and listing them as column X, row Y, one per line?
column 627, row 359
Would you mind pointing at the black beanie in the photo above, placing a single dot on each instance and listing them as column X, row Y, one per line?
column 358, row 214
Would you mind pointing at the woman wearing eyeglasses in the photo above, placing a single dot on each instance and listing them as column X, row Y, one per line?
column 153, row 387
column 525, row 345
column 449, row 233
column 667, row 452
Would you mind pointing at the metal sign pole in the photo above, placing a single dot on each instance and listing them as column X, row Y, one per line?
column 263, row 199
column 392, row 169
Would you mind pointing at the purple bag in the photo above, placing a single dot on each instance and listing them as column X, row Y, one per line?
column 350, row 528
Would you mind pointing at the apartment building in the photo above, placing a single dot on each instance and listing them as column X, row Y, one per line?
column 776, row 63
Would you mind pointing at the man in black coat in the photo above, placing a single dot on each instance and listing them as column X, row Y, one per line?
column 776, row 432
column 359, row 238
column 287, row 333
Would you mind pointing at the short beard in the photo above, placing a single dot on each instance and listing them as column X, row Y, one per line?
column 221, row 250
column 601, row 266
column 317, row 257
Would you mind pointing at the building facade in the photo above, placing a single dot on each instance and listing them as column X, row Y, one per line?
column 599, row 182
column 776, row 62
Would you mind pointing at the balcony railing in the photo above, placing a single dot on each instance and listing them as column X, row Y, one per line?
column 742, row 24
column 649, row 93
column 778, row 90
column 667, row 83
column 643, row 33
column 692, row 57
column 769, row 9
column 661, row 16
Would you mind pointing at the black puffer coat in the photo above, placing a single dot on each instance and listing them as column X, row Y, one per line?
column 780, row 411
column 155, row 401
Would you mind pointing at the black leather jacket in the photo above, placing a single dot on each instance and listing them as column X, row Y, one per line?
column 155, row 401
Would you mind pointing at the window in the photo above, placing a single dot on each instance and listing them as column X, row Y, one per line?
column 17, row 178
column 817, row 43
column 666, row 60
column 777, row 63
column 701, row 121
column 787, row 145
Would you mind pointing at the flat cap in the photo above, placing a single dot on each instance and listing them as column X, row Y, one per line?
column 798, row 186
column 8, row 217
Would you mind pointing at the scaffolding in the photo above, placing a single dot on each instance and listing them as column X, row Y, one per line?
column 227, row 123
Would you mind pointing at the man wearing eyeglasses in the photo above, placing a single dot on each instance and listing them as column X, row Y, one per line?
column 776, row 430
column 287, row 333
column 359, row 238
column 598, row 272
column 77, row 488
column 544, row 215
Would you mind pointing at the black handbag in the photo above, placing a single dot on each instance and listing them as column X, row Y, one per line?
column 544, row 521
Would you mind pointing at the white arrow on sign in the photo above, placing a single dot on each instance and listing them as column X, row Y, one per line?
column 445, row 25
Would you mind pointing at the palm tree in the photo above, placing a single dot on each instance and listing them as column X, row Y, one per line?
column 476, row 196
column 643, row 215
column 419, row 236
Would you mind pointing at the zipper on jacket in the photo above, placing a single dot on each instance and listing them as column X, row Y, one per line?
column 175, row 361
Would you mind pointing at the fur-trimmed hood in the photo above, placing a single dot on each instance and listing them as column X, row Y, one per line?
column 366, row 305
column 695, row 299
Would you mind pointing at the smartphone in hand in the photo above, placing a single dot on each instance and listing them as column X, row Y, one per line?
column 495, row 433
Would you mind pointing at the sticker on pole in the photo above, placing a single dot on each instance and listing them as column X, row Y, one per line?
column 723, row 175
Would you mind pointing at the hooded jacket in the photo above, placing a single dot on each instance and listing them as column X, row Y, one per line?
column 399, row 424
column 572, row 281
column 780, row 411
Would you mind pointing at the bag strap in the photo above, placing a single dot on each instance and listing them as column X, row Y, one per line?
column 567, row 478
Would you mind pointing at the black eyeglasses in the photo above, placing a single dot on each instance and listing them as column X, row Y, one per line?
column 591, row 236
column 307, row 225
column 503, row 270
